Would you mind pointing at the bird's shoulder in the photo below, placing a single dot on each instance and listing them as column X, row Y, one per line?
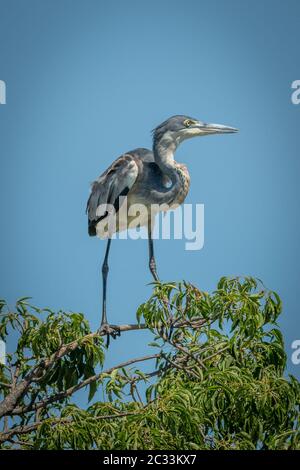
column 145, row 160
column 126, row 163
column 143, row 154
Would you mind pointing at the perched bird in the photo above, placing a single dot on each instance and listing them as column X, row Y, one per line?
column 144, row 177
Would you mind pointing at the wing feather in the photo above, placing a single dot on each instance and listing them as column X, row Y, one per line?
column 117, row 180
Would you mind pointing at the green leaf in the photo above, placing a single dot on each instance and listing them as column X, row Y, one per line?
column 92, row 390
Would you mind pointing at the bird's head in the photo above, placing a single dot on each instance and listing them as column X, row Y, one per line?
column 179, row 128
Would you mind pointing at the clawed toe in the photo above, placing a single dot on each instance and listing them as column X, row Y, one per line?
column 109, row 331
column 114, row 331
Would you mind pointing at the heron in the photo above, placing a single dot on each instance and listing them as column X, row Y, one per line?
column 151, row 178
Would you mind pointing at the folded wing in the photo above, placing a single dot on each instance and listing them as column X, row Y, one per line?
column 116, row 181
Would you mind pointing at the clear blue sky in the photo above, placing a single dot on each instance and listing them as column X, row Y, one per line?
column 88, row 80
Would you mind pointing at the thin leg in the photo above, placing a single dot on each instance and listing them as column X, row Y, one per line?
column 109, row 330
column 152, row 263
column 152, row 266
column 105, row 269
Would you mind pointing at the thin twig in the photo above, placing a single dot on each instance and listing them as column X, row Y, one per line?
column 177, row 366
column 3, row 384
column 215, row 353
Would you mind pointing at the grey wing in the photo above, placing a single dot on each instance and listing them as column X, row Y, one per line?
column 116, row 181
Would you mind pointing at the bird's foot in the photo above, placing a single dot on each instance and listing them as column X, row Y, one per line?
column 109, row 331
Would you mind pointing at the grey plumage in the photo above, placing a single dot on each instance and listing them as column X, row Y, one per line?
column 145, row 177
column 113, row 183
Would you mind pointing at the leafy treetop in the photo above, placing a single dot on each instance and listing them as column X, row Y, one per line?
column 217, row 383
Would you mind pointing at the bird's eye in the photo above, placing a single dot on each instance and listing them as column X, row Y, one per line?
column 188, row 122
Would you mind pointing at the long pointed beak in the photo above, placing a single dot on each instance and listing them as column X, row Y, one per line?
column 216, row 129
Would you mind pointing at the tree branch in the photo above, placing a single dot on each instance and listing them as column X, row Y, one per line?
column 4, row 384
column 7, row 406
column 25, row 429
column 82, row 384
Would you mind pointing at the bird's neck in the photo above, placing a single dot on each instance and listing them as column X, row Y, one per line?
column 164, row 151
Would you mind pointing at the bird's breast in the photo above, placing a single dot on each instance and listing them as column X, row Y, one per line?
column 184, row 186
